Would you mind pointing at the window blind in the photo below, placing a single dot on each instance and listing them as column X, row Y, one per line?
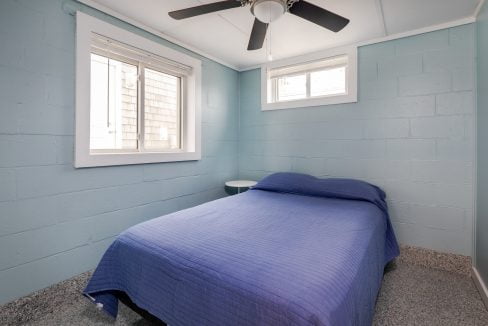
column 105, row 46
column 329, row 63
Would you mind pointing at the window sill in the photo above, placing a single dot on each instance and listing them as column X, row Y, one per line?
column 320, row 101
column 111, row 159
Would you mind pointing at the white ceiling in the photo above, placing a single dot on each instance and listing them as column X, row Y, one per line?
column 225, row 35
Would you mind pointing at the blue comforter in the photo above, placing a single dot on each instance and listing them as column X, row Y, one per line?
column 294, row 250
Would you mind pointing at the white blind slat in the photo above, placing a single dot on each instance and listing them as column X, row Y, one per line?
column 106, row 45
column 333, row 62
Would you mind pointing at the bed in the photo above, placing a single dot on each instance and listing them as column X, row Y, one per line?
column 293, row 250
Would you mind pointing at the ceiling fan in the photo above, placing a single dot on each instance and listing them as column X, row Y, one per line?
column 267, row 11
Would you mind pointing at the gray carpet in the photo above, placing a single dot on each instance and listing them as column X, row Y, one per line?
column 410, row 295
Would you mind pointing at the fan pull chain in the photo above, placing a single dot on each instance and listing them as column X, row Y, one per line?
column 270, row 55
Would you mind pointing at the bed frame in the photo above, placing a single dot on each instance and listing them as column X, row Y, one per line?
column 124, row 298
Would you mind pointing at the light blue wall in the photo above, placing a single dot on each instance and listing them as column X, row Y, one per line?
column 55, row 221
column 482, row 153
column 411, row 133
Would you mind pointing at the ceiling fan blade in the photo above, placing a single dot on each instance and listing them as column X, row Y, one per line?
column 204, row 9
column 318, row 15
column 258, row 35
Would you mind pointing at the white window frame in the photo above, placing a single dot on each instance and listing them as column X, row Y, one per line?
column 351, row 80
column 86, row 26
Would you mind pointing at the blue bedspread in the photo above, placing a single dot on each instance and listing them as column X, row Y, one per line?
column 288, row 252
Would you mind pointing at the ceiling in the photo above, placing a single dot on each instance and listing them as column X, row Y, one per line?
column 225, row 35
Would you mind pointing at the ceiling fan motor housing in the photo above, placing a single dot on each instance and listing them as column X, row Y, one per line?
column 268, row 11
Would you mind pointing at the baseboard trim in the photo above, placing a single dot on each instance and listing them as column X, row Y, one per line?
column 480, row 285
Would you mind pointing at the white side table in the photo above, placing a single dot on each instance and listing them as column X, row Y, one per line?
column 238, row 186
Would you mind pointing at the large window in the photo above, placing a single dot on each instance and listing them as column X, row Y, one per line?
column 141, row 105
column 317, row 81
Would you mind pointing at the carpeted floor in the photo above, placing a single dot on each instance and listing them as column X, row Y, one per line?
column 410, row 295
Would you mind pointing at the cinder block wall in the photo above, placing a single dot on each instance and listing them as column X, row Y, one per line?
column 56, row 221
column 411, row 133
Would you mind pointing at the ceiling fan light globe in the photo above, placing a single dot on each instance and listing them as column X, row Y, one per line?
column 268, row 11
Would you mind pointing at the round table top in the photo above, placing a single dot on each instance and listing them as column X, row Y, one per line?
column 240, row 183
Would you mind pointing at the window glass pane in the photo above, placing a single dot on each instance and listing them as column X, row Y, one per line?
column 328, row 82
column 113, row 104
column 161, row 111
column 292, row 88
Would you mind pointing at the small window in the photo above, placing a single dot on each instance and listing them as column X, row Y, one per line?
column 142, row 99
column 322, row 81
